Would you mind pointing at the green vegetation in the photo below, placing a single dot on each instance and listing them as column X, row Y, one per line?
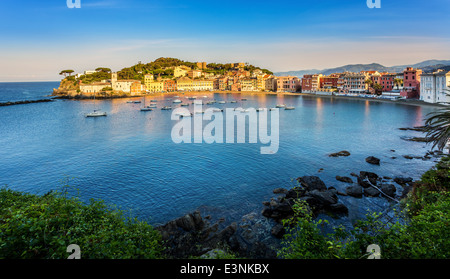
column 66, row 72
column 95, row 77
column 41, row 227
column 421, row 230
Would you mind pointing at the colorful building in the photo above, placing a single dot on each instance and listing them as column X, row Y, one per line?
column 411, row 83
column 169, row 85
column 354, row 83
column 434, row 87
column 288, row 84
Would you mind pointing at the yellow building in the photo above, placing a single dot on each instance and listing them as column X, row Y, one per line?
column 184, row 84
column 248, row 84
column 151, row 85
column 202, row 85
column 180, row 71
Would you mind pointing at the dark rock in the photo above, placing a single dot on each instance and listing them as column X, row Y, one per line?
column 324, row 198
column 354, row 191
column 373, row 160
column 278, row 231
column 266, row 203
column 403, row 180
column 373, row 177
column 371, row 192
column 280, row 191
column 343, row 153
column 344, row 179
column 267, row 212
column 338, row 208
column 295, row 193
column 388, row 189
column 354, row 174
column 311, row 183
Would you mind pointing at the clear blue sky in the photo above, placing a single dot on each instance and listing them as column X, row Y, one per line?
column 40, row 38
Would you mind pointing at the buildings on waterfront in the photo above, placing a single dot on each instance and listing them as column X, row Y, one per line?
column 411, row 83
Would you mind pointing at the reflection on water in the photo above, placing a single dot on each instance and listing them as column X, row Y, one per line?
column 129, row 159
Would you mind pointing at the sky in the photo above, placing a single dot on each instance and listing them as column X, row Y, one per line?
column 40, row 38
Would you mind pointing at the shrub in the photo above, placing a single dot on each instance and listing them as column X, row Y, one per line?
column 42, row 227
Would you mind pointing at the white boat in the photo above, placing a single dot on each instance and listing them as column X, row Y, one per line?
column 146, row 108
column 95, row 113
column 238, row 109
column 177, row 101
column 222, row 102
column 260, row 109
column 281, row 106
column 273, row 108
column 152, row 106
column 166, row 108
column 289, row 108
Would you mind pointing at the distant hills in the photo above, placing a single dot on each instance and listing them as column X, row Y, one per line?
column 426, row 66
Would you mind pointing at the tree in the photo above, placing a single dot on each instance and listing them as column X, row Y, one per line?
column 397, row 82
column 66, row 72
column 437, row 127
column 104, row 70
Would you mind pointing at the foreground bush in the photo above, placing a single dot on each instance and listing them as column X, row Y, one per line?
column 422, row 232
column 42, row 227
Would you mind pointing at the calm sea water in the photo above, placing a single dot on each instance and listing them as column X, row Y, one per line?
column 129, row 159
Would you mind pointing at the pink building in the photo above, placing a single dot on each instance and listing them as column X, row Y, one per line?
column 288, row 84
column 411, row 83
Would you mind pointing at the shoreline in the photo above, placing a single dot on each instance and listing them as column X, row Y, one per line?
column 413, row 102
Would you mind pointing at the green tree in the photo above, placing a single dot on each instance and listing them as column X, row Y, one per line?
column 66, row 72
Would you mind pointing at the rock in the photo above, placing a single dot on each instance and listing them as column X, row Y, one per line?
column 280, row 191
column 354, row 191
column 338, row 208
column 408, row 157
column 266, row 203
column 311, row 183
column 403, row 180
column 294, row 193
column 267, row 212
column 324, row 198
column 343, row 153
column 354, row 174
column 278, row 231
column 373, row 160
column 389, row 189
column 373, row 177
column 344, row 179
column 371, row 192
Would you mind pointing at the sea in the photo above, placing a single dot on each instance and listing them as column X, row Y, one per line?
column 129, row 158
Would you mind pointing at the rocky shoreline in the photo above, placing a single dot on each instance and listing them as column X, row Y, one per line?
column 258, row 234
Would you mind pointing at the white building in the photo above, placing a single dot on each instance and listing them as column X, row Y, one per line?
column 433, row 86
column 121, row 85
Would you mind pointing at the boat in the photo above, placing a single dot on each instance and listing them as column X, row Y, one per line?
column 233, row 102
column 217, row 110
column 260, row 109
column 185, row 104
column 238, row 109
column 243, row 99
column 153, row 101
column 273, row 108
column 129, row 102
column 146, row 108
column 192, row 98
column 280, row 106
column 166, row 108
column 222, row 102
column 199, row 112
column 177, row 101
column 289, row 108
column 152, row 106
column 95, row 113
